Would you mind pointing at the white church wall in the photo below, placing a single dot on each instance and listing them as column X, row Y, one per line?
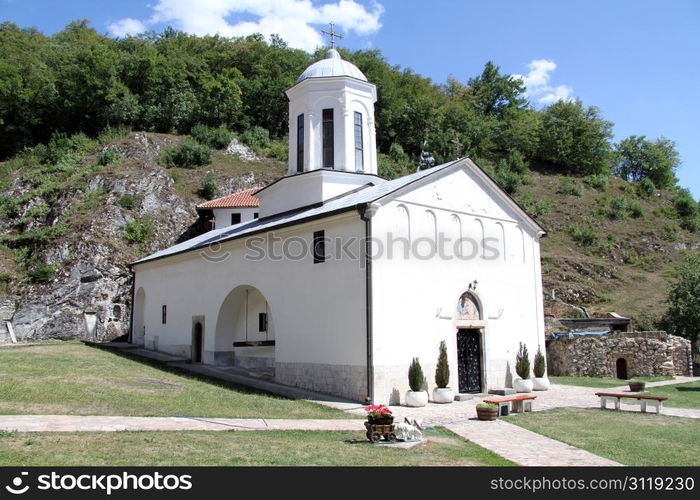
column 415, row 300
column 316, row 311
column 222, row 216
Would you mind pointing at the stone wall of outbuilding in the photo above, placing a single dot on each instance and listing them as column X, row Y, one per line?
column 645, row 353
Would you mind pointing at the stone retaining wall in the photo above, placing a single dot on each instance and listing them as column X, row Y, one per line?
column 645, row 353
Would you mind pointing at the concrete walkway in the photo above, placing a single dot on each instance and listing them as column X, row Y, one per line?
column 525, row 447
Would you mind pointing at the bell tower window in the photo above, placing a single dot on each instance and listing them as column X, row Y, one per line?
column 328, row 152
column 300, row 143
column 359, row 152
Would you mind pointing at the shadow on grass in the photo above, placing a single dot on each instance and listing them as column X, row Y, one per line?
column 688, row 389
column 174, row 370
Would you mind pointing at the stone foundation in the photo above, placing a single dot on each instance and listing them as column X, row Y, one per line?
column 346, row 381
column 645, row 354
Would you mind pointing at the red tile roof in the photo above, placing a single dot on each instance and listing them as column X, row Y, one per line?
column 243, row 198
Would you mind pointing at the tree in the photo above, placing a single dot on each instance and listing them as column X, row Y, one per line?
column 494, row 93
column 442, row 371
column 683, row 315
column 639, row 158
column 576, row 138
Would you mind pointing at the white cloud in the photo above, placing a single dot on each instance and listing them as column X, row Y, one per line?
column 296, row 21
column 537, row 83
column 126, row 26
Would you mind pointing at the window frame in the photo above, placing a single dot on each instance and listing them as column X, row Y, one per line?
column 300, row 142
column 327, row 138
column 359, row 134
column 319, row 246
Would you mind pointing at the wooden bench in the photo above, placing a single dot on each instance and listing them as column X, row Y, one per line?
column 515, row 404
column 657, row 401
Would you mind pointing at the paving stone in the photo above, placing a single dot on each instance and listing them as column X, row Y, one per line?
column 505, row 391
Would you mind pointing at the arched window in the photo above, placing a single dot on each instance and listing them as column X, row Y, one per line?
column 468, row 307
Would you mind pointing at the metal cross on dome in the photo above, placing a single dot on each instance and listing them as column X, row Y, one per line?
column 332, row 35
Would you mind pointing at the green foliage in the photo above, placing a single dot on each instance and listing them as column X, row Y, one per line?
column 127, row 202
column 216, row 138
column 487, row 406
column 576, row 138
column 109, row 156
column 494, row 93
column 618, row 208
column 645, row 188
column 392, row 169
column 509, row 180
column 9, row 206
column 442, row 371
column 189, row 154
column 597, row 181
column 583, row 234
column 210, row 186
column 522, row 362
column 416, row 379
column 279, row 149
column 683, row 314
column 138, row 230
column 569, row 187
column 256, row 137
column 41, row 272
column 635, row 209
column 685, row 204
column 540, row 364
column 640, row 159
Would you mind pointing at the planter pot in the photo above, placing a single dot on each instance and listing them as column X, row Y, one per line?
column 443, row 395
column 637, row 386
column 416, row 399
column 381, row 421
column 522, row 385
column 487, row 413
column 540, row 383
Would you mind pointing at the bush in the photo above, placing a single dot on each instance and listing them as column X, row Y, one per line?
column 215, row 138
column 646, row 188
column 210, row 186
column 127, row 202
column 278, row 149
column 691, row 224
column 256, row 137
column 108, row 156
column 189, row 154
column 516, row 161
column 41, row 272
column 584, row 235
column 597, row 181
column 415, row 376
column 9, row 206
column 442, row 372
column 685, row 204
column 522, row 362
column 138, row 230
column 508, row 180
column 566, row 186
column 635, row 210
column 543, row 207
column 540, row 364
column 618, row 208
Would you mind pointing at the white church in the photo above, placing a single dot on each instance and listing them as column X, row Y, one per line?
column 340, row 277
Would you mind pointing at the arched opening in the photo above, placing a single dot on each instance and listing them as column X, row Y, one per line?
column 138, row 333
column 470, row 348
column 244, row 334
column 197, row 342
column 621, row 368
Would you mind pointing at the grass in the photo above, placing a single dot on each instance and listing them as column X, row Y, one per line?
column 680, row 395
column 601, row 382
column 631, row 438
column 73, row 379
column 239, row 448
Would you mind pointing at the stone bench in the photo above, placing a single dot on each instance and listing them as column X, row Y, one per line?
column 516, row 404
column 615, row 397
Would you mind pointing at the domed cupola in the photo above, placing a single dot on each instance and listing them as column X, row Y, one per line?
column 331, row 118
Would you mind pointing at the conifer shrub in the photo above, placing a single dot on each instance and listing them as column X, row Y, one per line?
column 442, row 371
column 522, row 362
column 415, row 376
column 540, row 364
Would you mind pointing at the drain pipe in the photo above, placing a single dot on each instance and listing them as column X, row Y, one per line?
column 133, row 296
column 366, row 212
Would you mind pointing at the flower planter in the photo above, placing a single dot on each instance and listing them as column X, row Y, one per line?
column 443, row 395
column 381, row 421
column 416, row 399
column 636, row 386
column 522, row 385
column 540, row 383
column 487, row 413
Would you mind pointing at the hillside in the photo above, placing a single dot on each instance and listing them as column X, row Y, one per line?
column 72, row 216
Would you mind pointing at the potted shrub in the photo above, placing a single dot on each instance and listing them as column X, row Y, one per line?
column 416, row 397
column 487, row 411
column 636, row 385
column 442, row 393
column 540, row 382
column 522, row 368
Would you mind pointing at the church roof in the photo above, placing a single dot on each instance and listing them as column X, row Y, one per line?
column 353, row 200
column 239, row 199
column 332, row 65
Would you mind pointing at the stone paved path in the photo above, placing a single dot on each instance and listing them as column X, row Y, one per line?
column 525, row 447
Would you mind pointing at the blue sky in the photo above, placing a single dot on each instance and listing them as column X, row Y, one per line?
column 637, row 60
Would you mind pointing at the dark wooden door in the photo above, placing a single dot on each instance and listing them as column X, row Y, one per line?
column 469, row 360
column 197, row 343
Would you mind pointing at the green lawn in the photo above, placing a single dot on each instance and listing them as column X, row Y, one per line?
column 631, row 438
column 70, row 378
column 680, row 395
column 235, row 448
column 600, row 382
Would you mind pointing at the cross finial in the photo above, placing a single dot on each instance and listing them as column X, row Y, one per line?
column 332, row 35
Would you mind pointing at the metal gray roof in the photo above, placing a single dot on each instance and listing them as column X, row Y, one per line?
column 363, row 195
column 332, row 65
